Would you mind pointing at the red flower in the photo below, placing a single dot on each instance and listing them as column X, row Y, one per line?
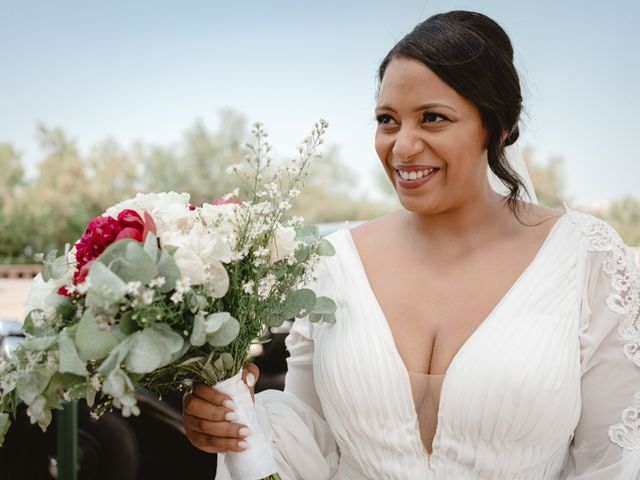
column 102, row 232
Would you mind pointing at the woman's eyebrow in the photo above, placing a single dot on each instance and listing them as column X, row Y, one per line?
column 426, row 106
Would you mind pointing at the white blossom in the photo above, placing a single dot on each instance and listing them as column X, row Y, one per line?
column 247, row 287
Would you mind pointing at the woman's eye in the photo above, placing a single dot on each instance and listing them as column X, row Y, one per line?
column 430, row 117
column 384, row 119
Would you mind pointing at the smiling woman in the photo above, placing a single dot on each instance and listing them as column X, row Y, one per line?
column 477, row 335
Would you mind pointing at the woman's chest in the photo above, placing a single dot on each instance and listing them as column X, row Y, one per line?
column 515, row 377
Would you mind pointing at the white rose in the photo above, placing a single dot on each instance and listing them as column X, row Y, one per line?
column 283, row 244
column 190, row 265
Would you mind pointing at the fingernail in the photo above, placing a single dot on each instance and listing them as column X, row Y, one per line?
column 230, row 416
column 251, row 379
column 245, row 432
column 230, row 404
column 243, row 444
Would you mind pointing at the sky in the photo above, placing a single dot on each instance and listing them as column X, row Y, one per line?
column 146, row 70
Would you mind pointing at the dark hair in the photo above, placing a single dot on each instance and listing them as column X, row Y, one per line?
column 473, row 54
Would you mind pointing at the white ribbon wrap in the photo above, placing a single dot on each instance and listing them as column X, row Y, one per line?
column 256, row 462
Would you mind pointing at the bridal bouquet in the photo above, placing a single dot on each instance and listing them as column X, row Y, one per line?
column 159, row 293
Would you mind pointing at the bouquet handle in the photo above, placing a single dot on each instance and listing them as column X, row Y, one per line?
column 256, row 462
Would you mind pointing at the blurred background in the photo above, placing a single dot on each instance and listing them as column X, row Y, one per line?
column 99, row 101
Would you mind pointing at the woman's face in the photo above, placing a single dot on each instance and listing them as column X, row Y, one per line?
column 426, row 129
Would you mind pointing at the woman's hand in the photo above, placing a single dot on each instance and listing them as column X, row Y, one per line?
column 208, row 417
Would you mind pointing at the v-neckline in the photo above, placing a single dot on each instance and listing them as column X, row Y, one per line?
column 474, row 334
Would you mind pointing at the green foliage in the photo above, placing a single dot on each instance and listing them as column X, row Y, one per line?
column 69, row 188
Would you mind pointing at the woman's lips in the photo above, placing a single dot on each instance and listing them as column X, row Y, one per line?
column 410, row 184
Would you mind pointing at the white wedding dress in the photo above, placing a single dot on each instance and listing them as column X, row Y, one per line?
column 547, row 387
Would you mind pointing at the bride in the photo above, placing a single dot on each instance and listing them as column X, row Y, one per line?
column 478, row 335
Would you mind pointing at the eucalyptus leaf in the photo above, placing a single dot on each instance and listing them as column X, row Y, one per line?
column 325, row 248
column 172, row 340
column 198, row 334
column 168, row 269
column 117, row 383
column 302, row 300
column 178, row 355
column 5, row 423
column 226, row 334
column 90, row 396
column 307, row 233
column 93, row 344
column 146, row 352
column 324, row 305
column 33, row 383
column 116, row 357
column 107, row 287
column 134, row 264
column 53, row 390
column 322, row 317
column 302, row 253
column 215, row 321
column 127, row 324
column 276, row 321
column 192, row 301
column 151, row 246
column 69, row 359
column 219, row 365
column 59, row 267
column 38, row 343
column 227, row 360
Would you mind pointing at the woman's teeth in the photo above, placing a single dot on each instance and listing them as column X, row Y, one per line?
column 414, row 175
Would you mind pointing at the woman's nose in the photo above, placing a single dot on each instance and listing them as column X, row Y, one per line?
column 407, row 144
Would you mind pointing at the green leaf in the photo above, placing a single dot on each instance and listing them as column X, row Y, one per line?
column 106, row 287
column 324, row 305
column 117, row 384
column 127, row 324
column 322, row 317
column 198, row 334
column 5, row 423
column 302, row 253
column 116, row 357
column 151, row 246
column 93, row 344
column 307, row 233
column 172, row 340
column 192, row 301
column 299, row 301
column 33, row 383
column 226, row 334
column 38, row 343
column 215, row 321
column 47, row 269
column 227, row 360
column 147, row 352
column 325, row 248
column 69, row 359
column 276, row 321
column 59, row 267
column 132, row 264
column 57, row 385
column 168, row 269
column 219, row 364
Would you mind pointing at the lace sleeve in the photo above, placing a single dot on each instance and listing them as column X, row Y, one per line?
column 606, row 443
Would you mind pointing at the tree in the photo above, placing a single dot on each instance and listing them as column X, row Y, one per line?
column 624, row 216
column 549, row 180
column 198, row 166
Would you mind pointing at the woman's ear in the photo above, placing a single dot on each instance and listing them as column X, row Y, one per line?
column 503, row 137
